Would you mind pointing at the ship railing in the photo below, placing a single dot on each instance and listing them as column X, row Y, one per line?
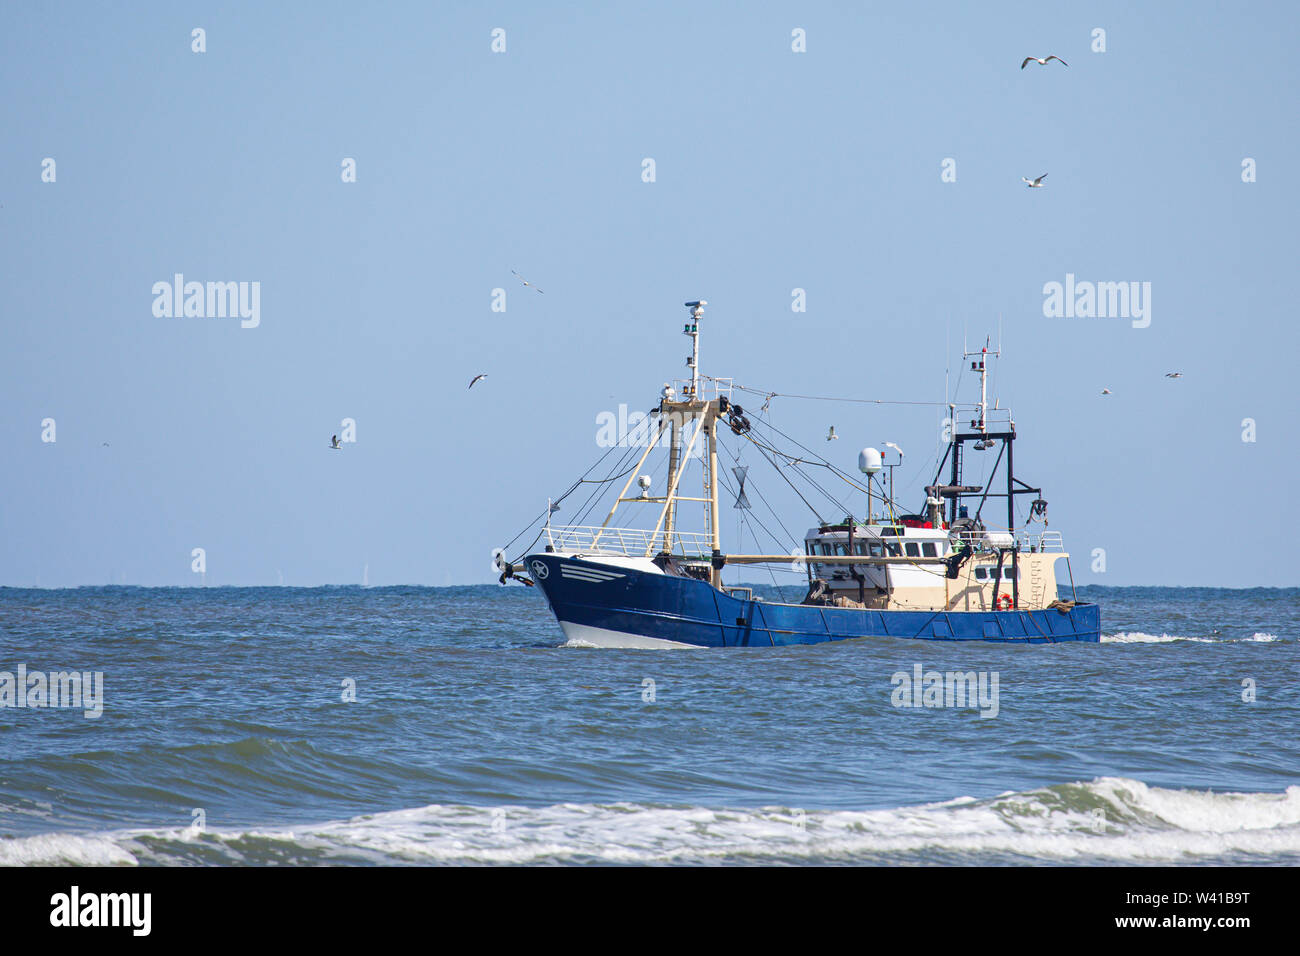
column 629, row 542
column 1042, row 541
column 710, row 388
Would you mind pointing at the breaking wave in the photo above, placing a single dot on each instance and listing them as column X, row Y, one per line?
column 1110, row 819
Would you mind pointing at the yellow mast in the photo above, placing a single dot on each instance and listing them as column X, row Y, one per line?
column 675, row 413
column 674, row 467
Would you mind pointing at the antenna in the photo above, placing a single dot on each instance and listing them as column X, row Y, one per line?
column 947, row 357
column 982, row 367
column 693, row 330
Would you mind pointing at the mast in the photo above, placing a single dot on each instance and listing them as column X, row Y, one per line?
column 693, row 330
column 985, row 440
column 1011, row 521
column 710, row 425
column 674, row 465
column 679, row 410
column 982, row 367
column 707, row 413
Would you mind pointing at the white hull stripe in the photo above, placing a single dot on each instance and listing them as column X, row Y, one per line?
column 588, row 574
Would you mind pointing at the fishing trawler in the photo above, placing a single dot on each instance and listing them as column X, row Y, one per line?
column 942, row 573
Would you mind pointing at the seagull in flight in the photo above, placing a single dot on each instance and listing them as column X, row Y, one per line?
column 1173, row 374
column 475, row 379
column 1105, row 391
column 831, row 436
column 1034, row 183
column 334, row 442
column 526, row 282
column 1042, row 61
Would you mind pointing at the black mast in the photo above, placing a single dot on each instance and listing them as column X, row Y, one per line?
column 984, row 439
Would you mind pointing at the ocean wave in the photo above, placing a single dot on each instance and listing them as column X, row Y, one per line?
column 1109, row 819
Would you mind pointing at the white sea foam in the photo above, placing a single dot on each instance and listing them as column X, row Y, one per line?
column 65, row 849
column 1113, row 819
column 1139, row 637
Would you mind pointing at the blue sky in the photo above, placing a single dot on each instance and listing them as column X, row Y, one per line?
column 775, row 170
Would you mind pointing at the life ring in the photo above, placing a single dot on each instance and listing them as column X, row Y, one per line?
column 1004, row 602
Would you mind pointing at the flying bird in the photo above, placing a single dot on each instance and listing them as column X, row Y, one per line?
column 1173, row 374
column 1105, row 391
column 1034, row 183
column 526, row 282
column 1043, row 61
column 473, row 380
column 334, row 442
column 831, row 436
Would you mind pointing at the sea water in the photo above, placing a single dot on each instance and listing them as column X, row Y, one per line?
column 455, row 725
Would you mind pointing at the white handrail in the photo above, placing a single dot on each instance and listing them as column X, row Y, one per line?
column 629, row 542
column 1050, row 541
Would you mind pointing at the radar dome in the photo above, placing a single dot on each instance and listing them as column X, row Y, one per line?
column 869, row 461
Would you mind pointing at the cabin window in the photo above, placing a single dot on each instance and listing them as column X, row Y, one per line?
column 928, row 551
column 874, row 549
column 981, row 573
column 913, row 550
column 860, row 547
column 893, row 549
column 841, row 548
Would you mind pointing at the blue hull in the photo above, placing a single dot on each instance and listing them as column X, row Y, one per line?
column 589, row 597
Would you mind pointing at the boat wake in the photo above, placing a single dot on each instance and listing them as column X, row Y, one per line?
column 1138, row 637
column 1107, row 820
